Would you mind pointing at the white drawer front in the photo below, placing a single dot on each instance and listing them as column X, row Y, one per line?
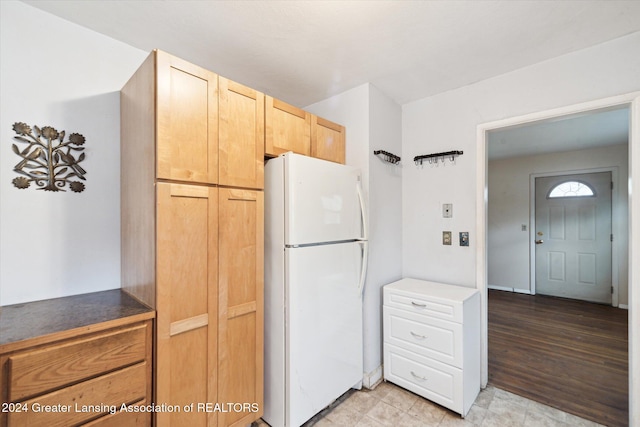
column 440, row 309
column 430, row 379
column 438, row 339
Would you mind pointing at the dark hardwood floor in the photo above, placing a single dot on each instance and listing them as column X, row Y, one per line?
column 569, row 354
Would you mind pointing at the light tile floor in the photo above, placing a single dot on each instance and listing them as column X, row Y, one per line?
column 392, row 406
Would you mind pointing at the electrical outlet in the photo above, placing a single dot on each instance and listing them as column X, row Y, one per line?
column 464, row 238
column 446, row 238
column 447, row 210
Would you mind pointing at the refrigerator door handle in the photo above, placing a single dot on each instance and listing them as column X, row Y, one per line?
column 365, row 262
column 363, row 212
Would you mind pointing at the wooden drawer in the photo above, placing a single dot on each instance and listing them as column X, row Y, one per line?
column 433, row 380
column 426, row 336
column 123, row 419
column 84, row 401
column 48, row 368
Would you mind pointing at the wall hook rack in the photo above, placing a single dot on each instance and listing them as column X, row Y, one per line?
column 435, row 157
column 387, row 157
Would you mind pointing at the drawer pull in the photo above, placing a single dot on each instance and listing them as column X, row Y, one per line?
column 417, row 304
column 418, row 336
column 418, row 377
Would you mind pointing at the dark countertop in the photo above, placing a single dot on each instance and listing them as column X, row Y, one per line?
column 21, row 322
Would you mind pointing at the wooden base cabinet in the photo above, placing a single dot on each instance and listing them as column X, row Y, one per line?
column 80, row 360
column 432, row 341
column 192, row 237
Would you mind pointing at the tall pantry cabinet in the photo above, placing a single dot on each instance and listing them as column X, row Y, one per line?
column 192, row 149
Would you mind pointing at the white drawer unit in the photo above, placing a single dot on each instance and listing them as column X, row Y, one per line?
column 432, row 341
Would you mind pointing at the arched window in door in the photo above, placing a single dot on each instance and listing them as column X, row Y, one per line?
column 571, row 189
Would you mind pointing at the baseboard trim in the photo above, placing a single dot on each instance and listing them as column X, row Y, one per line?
column 623, row 306
column 500, row 288
column 507, row 289
column 371, row 379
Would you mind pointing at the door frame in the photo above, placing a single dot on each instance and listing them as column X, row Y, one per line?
column 632, row 100
column 615, row 227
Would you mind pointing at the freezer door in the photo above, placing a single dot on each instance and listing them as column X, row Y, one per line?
column 322, row 203
column 324, row 336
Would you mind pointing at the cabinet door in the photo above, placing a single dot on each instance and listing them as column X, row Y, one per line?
column 187, row 121
column 241, row 143
column 288, row 128
column 241, row 324
column 327, row 140
column 186, row 359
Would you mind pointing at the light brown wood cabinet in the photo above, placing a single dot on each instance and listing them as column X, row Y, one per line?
column 327, row 140
column 187, row 119
column 75, row 371
column 187, row 297
column 288, row 128
column 241, row 301
column 192, row 238
column 241, row 135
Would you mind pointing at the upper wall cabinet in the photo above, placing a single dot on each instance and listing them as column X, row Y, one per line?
column 241, row 147
column 207, row 129
column 187, row 121
column 288, row 128
column 327, row 140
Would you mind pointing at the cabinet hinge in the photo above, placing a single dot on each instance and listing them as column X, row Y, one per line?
column 612, row 289
column 612, row 185
column 612, row 237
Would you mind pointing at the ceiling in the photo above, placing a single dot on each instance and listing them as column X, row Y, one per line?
column 572, row 132
column 305, row 51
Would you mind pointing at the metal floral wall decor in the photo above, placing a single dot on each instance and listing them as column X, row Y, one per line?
column 47, row 158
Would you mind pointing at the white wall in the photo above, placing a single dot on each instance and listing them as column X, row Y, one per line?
column 385, row 228
column 449, row 121
column 373, row 122
column 508, row 245
column 55, row 73
column 350, row 109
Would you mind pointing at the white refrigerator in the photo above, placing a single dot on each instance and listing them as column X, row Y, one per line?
column 315, row 267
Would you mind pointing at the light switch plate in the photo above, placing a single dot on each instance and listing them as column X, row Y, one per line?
column 447, row 210
column 446, row 238
column 464, row 238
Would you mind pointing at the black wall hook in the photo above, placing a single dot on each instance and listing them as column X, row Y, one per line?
column 434, row 157
column 387, row 157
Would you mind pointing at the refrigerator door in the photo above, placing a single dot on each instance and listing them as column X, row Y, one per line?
column 323, row 201
column 324, row 337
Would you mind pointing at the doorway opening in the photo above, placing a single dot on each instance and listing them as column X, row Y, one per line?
column 486, row 262
column 564, row 146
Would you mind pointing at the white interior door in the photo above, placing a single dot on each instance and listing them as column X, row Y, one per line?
column 573, row 236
